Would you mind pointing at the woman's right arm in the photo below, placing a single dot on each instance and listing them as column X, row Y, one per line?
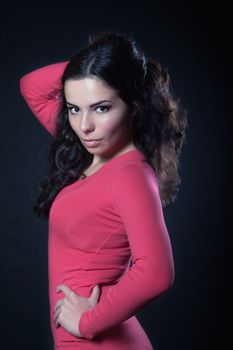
column 40, row 89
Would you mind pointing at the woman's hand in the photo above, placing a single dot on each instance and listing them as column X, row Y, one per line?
column 68, row 311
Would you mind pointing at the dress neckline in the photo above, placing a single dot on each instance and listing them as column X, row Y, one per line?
column 134, row 154
column 113, row 162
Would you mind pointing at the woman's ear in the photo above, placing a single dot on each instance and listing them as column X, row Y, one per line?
column 132, row 118
column 134, row 109
column 133, row 113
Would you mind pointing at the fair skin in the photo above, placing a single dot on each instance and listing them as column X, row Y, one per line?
column 68, row 311
column 111, row 122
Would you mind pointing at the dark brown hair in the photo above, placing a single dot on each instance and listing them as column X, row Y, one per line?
column 159, row 122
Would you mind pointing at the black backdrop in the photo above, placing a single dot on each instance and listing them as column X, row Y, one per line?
column 191, row 39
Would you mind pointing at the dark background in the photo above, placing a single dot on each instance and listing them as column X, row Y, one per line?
column 192, row 40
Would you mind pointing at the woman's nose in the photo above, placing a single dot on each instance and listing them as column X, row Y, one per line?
column 86, row 124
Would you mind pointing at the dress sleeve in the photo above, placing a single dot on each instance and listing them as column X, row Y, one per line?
column 40, row 89
column 135, row 197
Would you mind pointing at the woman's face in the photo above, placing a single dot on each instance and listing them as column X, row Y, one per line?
column 109, row 122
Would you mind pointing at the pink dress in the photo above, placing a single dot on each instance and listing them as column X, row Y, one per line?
column 97, row 227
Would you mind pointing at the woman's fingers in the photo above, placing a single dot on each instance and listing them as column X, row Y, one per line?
column 66, row 290
column 67, row 311
column 95, row 295
column 57, row 309
column 58, row 304
column 56, row 315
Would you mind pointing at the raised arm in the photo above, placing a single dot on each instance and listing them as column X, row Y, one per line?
column 40, row 89
column 135, row 197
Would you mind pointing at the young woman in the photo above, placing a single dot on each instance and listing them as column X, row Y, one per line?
column 117, row 132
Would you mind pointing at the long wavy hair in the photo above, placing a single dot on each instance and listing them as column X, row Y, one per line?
column 159, row 123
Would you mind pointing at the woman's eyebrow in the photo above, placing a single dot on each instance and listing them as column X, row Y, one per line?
column 94, row 104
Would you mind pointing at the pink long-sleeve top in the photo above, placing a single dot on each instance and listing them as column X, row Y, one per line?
column 98, row 224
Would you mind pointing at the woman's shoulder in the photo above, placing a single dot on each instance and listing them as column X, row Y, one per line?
column 136, row 171
column 134, row 181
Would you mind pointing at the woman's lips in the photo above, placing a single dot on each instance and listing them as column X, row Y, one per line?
column 92, row 143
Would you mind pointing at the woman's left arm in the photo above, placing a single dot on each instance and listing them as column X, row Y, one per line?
column 135, row 197
column 40, row 89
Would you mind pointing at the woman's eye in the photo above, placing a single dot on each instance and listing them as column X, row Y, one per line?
column 72, row 108
column 105, row 107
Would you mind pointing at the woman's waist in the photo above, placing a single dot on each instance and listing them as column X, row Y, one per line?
column 119, row 334
column 60, row 334
column 83, row 288
column 83, row 280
